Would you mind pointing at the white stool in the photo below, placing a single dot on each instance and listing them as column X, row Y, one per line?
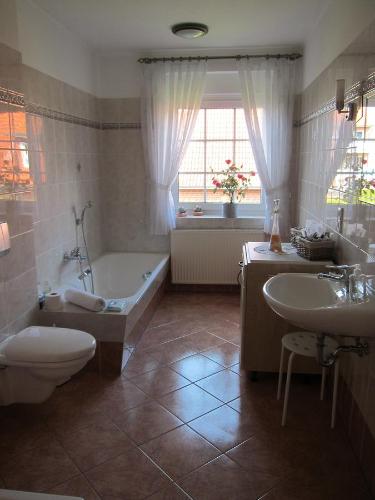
column 304, row 344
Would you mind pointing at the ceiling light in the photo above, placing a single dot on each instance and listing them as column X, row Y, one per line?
column 190, row 30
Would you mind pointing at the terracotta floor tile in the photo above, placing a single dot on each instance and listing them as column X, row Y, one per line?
column 147, row 422
column 155, row 336
column 290, row 489
column 64, row 423
column 172, row 351
column 19, row 434
column 95, row 444
column 224, row 385
column 264, row 454
column 78, row 487
column 123, row 395
column 225, row 354
column 223, row 479
column 38, row 469
column 189, row 402
column 130, row 476
column 228, row 331
column 196, row 367
column 263, row 414
column 236, row 369
column 159, row 382
column 223, row 427
column 180, row 451
column 173, row 492
column 99, row 419
column 140, row 362
column 203, row 340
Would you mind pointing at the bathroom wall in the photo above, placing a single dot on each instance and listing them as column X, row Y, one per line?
column 18, row 275
column 48, row 46
column 341, row 22
column 63, row 131
column 125, row 221
column 321, row 149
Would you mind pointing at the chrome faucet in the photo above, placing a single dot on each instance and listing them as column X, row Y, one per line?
column 342, row 274
column 74, row 254
column 84, row 274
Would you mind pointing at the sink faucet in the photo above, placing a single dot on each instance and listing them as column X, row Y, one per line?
column 74, row 254
column 342, row 274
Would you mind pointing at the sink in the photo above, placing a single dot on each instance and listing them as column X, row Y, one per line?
column 319, row 305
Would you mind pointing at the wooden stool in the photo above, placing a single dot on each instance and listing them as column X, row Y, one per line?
column 304, row 344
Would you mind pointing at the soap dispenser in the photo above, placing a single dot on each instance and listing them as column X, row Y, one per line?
column 354, row 280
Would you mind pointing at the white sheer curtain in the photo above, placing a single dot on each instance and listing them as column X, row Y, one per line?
column 172, row 96
column 268, row 91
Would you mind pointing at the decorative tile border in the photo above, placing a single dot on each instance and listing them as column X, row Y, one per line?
column 121, row 125
column 34, row 109
column 11, row 97
column 357, row 90
column 18, row 99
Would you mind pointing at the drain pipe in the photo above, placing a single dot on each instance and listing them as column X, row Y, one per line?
column 360, row 348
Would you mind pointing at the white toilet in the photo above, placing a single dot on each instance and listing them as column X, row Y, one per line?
column 39, row 358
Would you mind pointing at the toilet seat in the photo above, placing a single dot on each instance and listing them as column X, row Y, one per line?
column 40, row 345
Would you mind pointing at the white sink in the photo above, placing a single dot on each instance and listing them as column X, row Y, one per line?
column 319, row 305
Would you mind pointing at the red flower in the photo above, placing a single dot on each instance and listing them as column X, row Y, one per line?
column 218, row 184
column 364, row 161
column 240, row 176
column 228, row 162
column 253, row 173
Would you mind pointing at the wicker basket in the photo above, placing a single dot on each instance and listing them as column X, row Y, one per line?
column 295, row 233
column 315, row 250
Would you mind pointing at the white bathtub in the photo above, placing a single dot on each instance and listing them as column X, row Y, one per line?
column 136, row 280
column 125, row 277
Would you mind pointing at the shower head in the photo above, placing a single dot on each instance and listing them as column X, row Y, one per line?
column 88, row 205
column 80, row 220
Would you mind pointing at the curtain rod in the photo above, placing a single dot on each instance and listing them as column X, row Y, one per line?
column 150, row 60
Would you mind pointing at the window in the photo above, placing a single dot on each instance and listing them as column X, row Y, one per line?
column 219, row 134
column 354, row 181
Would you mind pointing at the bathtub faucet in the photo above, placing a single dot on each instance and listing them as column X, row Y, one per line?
column 74, row 254
column 84, row 274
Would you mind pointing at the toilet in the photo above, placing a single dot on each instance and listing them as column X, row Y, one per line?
column 38, row 359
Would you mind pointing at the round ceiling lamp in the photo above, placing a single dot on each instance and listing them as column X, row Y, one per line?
column 190, row 30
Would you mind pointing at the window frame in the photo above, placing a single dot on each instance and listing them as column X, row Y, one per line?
column 215, row 209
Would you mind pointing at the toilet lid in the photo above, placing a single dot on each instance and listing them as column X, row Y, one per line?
column 41, row 344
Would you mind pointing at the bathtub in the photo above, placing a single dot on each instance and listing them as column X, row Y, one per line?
column 135, row 280
column 125, row 277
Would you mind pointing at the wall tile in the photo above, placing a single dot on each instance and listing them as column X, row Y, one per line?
column 319, row 150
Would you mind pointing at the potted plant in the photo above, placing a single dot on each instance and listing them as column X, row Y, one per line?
column 234, row 184
column 181, row 212
column 197, row 211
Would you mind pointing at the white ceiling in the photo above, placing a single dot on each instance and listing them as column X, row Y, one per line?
column 144, row 25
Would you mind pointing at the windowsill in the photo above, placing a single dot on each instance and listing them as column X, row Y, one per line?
column 212, row 221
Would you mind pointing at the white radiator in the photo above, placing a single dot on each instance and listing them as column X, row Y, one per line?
column 211, row 256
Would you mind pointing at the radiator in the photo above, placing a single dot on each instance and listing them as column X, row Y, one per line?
column 209, row 256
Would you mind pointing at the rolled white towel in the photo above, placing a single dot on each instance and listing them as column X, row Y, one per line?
column 84, row 299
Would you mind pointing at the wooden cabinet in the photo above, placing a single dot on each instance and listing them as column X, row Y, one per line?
column 261, row 328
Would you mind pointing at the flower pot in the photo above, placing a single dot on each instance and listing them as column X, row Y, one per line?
column 230, row 210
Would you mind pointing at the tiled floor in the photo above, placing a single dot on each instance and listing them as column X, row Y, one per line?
column 182, row 422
